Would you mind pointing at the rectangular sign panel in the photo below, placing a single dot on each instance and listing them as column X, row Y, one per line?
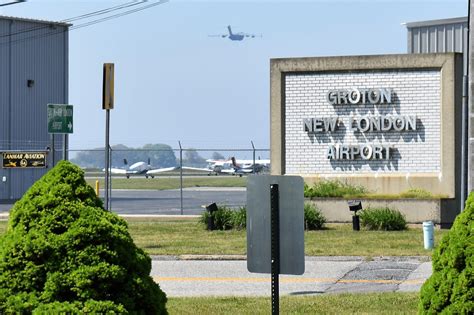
column 108, row 86
column 24, row 159
column 60, row 118
column 291, row 202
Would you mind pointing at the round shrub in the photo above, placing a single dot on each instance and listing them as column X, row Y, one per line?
column 384, row 219
column 313, row 217
column 450, row 289
column 63, row 253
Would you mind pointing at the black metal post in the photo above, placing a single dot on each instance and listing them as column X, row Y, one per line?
column 275, row 247
column 107, row 160
column 355, row 222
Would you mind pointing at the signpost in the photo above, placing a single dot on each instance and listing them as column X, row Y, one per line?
column 60, row 121
column 107, row 105
column 275, row 228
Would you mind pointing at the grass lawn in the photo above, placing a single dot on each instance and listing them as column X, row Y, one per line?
column 162, row 183
column 187, row 236
column 374, row 303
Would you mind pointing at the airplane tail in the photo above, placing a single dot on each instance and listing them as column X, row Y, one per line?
column 234, row 163
column 230, row 30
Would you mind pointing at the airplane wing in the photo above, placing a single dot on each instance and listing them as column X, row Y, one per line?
column 162, row 170
column 218, row 35
column 202, row 169
column 117, row 171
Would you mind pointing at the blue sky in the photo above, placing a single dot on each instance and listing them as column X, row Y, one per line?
column 173, row 82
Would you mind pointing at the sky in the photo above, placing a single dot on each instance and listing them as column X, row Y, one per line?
column 175, row 83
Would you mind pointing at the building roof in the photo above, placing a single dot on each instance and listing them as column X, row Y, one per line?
column 436, row 22
column 14, row 18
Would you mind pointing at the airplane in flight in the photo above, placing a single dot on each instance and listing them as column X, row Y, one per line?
column 235, row 36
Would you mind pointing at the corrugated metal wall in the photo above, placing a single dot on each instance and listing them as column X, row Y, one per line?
column 29, row 51
column 438, row 37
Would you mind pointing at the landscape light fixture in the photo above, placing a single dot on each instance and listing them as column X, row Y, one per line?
column 355, row 205
column 210, row 219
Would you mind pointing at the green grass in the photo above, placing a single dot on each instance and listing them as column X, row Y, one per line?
column 372, row 303
column 179, row 237
column 162, row 183
column 187, row 236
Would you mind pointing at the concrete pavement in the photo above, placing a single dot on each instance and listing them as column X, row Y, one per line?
column 322, row 275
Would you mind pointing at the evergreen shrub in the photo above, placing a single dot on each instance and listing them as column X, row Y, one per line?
column 313, row 217
column 63, row 253
column 450, row 289
column 384, row 219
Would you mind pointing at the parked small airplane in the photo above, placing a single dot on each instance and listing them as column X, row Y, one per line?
column 233, row 166
column 235, row 36
column 140, row 168
column 241, row 167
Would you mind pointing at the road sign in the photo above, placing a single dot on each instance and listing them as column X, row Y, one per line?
column 291, row 223
column 60, row 118
column 108, row 86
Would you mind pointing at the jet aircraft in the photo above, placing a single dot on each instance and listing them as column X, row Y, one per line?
column 235, row 36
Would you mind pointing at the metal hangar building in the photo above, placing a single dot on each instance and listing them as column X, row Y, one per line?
column 34, row 72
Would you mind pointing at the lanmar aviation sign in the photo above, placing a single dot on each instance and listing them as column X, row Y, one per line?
column 24, row 159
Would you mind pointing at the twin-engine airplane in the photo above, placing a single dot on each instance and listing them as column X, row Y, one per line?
column 235, row 36
column 233, row 166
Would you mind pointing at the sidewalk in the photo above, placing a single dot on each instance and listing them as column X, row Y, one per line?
column 221, row 276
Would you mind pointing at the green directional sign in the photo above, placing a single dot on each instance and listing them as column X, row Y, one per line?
column 60, row 118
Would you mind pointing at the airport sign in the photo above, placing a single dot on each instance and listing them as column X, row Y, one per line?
column 60, row 118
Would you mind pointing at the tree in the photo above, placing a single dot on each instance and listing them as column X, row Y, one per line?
column 450, row 289
column 63, row 253
column 192, row 158
column 217, row 156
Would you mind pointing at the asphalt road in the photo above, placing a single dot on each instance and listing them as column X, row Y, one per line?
column 158, row 202
column 149, row 202
column 322, row 275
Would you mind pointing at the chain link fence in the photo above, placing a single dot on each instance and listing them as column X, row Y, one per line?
column 159, row 179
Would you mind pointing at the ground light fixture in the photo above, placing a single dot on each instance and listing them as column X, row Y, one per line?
column 355, row 205
column 210, row 219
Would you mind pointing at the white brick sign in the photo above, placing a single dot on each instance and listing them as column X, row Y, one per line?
column 361, row 122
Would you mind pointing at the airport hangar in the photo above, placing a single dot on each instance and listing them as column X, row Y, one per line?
column 34, row 73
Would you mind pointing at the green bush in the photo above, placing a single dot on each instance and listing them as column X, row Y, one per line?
column 385, row 219
column 63, row 253
column 223, row 218
column 450, row 289
column 239, row 218
column 333, row 188
column 313, row 217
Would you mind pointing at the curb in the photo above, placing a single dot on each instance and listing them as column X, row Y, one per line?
column 308, row 258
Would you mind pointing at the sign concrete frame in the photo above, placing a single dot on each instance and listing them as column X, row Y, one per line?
column 450, row 68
